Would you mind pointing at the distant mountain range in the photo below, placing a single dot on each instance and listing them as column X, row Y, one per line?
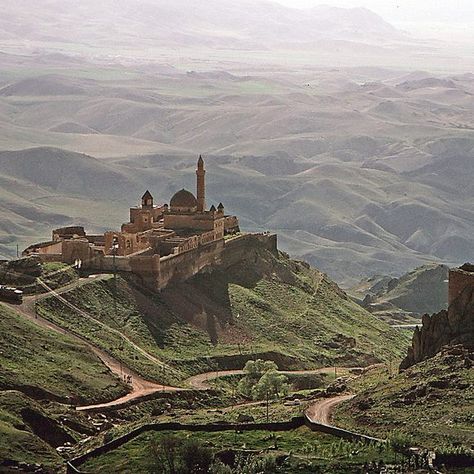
column 423, row 290
column 246, row 24
column 361, row 170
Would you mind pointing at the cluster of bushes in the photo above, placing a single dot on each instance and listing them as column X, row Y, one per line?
column 172, row 455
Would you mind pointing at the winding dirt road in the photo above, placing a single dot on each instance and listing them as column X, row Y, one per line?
column 321, row 410
column 140, row 387
column 58, row 296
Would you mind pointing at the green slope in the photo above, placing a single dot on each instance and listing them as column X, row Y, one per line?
column 39, row 364
column 272, row 307
column 422, row 290
column 17, row 440
column 36, row 359
column 431, row 402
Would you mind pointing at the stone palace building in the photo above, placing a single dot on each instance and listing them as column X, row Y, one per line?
column 160, row 244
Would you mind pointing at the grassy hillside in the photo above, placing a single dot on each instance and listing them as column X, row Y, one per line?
column 37, row 364
column 35, row 358
column 18, row 441
column 272, row 307
column 431, row 402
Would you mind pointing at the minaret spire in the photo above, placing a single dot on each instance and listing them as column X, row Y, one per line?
column 201, row 185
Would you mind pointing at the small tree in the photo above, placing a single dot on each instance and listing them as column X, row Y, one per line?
column 256, row 368
column 271, row 385
column 165, row 454
column 262, row 381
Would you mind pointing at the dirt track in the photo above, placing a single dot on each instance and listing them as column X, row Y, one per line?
column 139, row 386
column 201, row 381
column 320, row 411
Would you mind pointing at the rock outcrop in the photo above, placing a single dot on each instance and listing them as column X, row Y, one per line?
column 20, row 272
column 454, row 326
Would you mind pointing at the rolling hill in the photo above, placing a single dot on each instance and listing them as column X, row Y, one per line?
column 421, row 291
column 217, row 24
column 361, row 170
column 358, row 173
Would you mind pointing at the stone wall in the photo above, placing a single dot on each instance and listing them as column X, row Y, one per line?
column 68, row 232
column 128, row 244
column 76, row 249
column 181, row 267
column 296, row 422
column 56, row 248
column 147, row 269
column 192, row 221
column 184, row 265
column 157, row 272
column 45, row 258
column 237, row 248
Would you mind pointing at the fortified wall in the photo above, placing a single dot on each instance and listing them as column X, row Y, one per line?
column 237, row 249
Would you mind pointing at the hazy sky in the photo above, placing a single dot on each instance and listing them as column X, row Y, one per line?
column 412, row 14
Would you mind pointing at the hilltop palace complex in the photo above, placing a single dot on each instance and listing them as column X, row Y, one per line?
column 161, row 244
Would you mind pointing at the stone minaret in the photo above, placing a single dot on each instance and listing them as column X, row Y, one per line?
column 201, row 185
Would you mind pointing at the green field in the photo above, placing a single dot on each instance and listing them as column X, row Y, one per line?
column 310, row 452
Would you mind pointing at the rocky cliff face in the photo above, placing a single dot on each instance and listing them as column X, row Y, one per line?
column 454, row 326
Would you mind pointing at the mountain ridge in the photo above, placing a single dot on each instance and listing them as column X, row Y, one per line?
column 210, row 23
column 396, row 234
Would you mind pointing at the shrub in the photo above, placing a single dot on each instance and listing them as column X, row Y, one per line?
column 400, row 441
column 196, row 458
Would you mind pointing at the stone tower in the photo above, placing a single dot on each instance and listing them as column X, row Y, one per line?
column 201, row 185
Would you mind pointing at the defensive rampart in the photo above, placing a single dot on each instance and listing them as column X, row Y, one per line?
column 181, row 267
column 237, row 249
